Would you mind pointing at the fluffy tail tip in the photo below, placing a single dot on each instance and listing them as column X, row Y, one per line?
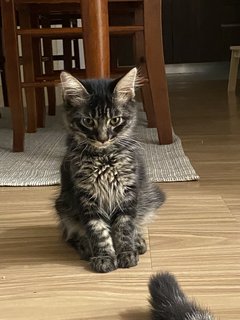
column 168, row 300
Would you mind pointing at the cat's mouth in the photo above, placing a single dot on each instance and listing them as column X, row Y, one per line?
column 101, row 145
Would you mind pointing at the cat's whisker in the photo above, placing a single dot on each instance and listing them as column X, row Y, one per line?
column 131, row 144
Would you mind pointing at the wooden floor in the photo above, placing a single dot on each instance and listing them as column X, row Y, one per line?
column 196, row 235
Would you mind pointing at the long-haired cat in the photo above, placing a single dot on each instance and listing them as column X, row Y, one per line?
column 170, row 303
column 105, row 195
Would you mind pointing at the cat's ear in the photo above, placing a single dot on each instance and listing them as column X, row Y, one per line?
column 125, row 88
column 73, row 90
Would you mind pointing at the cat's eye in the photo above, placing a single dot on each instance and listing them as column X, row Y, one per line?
column 115, row 121
column 88, row 122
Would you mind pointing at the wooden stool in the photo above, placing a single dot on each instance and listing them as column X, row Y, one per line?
column 233, row 73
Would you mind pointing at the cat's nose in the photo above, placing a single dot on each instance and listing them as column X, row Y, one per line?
column 102, row 137
column 102, row 140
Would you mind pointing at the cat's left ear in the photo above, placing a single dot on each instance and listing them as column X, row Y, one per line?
column 125, row 87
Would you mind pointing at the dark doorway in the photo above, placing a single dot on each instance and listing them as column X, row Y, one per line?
column 200, row 30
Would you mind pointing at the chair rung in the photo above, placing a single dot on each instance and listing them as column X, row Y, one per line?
column 74, row 32
column 40, row 84
column 50, row 32
column 125, row 29
column 53, row 80
column 79, row 73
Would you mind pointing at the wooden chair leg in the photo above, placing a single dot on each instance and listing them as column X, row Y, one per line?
column 76, row 47
column 49, row 69
column 4, row 87
column 40, row 96
column 28, row 70
column 37, row 58
column 140, row 54
column 2, row 68
column 156, row 69
column 67, row 49
column 96, row 37
column 13, row 73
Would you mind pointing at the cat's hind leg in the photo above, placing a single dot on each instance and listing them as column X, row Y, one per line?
column 151, row 198
column 81, row 245
column 75, row 237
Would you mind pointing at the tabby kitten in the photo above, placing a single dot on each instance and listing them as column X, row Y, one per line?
column 105, row 196
column 170, row 303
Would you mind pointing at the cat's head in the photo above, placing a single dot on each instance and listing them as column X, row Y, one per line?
column 100, row 112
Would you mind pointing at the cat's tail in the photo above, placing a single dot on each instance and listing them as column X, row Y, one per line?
column 169, row 301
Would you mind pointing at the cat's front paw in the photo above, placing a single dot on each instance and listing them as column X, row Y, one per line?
column 103, row 264
column 141, row 245
column 127, row 259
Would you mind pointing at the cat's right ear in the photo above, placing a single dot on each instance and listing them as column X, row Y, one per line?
column 73, row 90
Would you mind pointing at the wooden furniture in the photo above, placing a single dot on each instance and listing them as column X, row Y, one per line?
column 2, row 69
column 233, row 73
column 42, row 17
column 95, row 32
column 12, row 73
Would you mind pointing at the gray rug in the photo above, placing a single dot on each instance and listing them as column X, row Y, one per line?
column 39, row 164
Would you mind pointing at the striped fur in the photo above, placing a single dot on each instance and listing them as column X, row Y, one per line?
column 105, row 196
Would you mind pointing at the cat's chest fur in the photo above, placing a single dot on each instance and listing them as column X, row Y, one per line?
column 107, row 178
